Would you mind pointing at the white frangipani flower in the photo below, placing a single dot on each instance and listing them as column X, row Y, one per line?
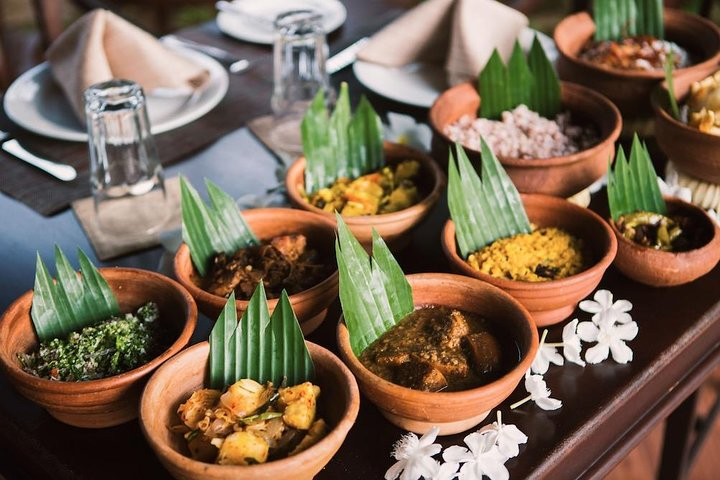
column 610, row 338
column 671, row 188
column 603, row 308
column 445, row 471
column 539, row 393
column 508, row 438
column 571, row 343
column 546, row 355
column 414, row 456
column 405, row 130
column 482, row 457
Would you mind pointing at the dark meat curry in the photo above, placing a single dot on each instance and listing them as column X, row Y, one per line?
column 285, row 262
column 439, row 348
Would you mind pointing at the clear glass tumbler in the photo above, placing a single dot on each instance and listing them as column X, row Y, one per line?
column 125, row 174
column 299, row 56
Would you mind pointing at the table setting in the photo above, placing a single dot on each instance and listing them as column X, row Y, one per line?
column 358, row 240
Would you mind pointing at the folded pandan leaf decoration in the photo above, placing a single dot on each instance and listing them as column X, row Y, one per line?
column 669, row 68
column 530, row 81
column 374, row 292
column 261, row 347
column 618, row 19
column 342, row 144
column 73, row 301
column 632, row 184
column 212, row 229
column 483, row 210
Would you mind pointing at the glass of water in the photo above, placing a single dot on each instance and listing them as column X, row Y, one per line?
column 125, row 174
column 299, row 56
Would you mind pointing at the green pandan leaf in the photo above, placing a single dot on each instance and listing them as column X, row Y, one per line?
column 618, row 19
column 632, row 184
column 530, row 81
column 341, row 144
column 209, row 230
column 260, row 347
column 72, row 302
column 483, row 210
column 374, row 292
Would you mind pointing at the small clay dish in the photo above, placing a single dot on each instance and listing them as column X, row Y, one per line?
column 560, row 176
column 694, row 152
column 552, row 301
column 630, row 90
column 309, row 305
column 173, row 384
column 666, row 269
column 395, row 228
column 452, row 412
column 109, row 401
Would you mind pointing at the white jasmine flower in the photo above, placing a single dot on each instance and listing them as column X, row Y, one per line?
column 603, row 308
column 414, row 456
column 598, row 185
column 571, row 343
column 671, row 186
column 405, row 130
column 445, row 471
column 715, row 216
column 482, row 457
column 610, row 338
column 508, row 438
column 546, row 354
column 539, row 393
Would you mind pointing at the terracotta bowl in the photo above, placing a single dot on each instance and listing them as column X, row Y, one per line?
column 630, row 90
column 553, row 301
column 560, row 176
column 694, row 152
column 395, row 228
column 665, row 269
column 186, row 373
column 310, row 305
column 452, row 412
column 109, row 401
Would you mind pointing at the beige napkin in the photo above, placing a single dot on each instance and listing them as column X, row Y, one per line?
column 110, row 246
column 457, row 34
column 101, row 46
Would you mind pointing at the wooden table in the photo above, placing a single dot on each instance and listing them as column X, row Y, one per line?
column 607, row 408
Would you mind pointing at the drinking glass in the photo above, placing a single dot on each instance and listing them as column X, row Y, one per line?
column 299, row 56
column 125, row 174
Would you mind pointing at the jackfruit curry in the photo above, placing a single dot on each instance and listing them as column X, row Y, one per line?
column 251, row 423
column 437, row 348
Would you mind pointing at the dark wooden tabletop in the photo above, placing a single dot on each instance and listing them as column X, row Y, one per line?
column 607, row 408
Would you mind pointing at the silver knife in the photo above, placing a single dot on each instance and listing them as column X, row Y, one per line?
column 345, row 57
column 65, row 173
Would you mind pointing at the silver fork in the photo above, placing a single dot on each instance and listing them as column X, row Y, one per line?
column 60, row 171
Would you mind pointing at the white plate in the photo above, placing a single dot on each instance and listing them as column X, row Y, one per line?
column 250, row 30
column 420, row 84
column 35, row 102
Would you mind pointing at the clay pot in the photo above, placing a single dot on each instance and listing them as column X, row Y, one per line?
column 109, row 401
column 560, row 176
column 174, row 383
column 552, row 301
column 310, row 305
column 395, row 228
column 630, row 90
column 451, row 412
column 694, row 152
column 665, row 269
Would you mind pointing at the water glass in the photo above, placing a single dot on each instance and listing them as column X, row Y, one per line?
column 299, row 56
column 125, row 174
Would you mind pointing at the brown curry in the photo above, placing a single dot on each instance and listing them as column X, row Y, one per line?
column 437, row 348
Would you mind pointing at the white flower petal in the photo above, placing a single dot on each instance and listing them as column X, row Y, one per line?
column 597, row 354
column 446, row 471
column 509, row 449
column 513, row 433
column 627, row 331
column 548, row 403
column 496, row 471
column 587, row 331
column 426, row 466
column 475, row 442
column 456, row 453
column 604, row 298
column 622, row 306
column 394, row 471
column 623, row 317
column 540, row 364
column 621, row 353
column 535, row 385
column 429, row 437
column 590, row 306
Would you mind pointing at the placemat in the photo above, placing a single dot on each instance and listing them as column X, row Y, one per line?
column 109, row 246
column 262, row 128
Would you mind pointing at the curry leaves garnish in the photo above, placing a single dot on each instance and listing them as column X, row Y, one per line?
column 261, row 347
column 374, row 292
column 73, row 301
column 618, row 19
column 632, row 185
column 213, row 229
column 483, row 210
